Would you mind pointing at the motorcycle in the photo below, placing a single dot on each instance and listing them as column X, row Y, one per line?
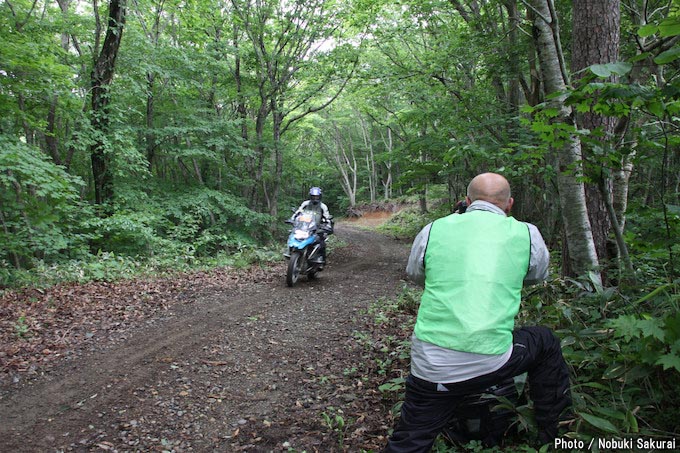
column 304, row 247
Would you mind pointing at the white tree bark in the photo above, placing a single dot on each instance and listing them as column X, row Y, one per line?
column 340, row 154
column 370, row 158
column 579, row 236
column 387, row 180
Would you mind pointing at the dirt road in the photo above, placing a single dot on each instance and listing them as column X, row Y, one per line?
column 247, row 365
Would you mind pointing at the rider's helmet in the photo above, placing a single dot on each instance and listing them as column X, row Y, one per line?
column 315, row 195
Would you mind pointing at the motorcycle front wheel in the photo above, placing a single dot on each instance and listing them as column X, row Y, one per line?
column 294, row 268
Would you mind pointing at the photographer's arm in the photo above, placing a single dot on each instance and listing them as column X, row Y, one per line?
column 415, row 268
column 539, row 259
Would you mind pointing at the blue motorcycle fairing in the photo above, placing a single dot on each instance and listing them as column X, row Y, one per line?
column 304, row 226
column 295, row 243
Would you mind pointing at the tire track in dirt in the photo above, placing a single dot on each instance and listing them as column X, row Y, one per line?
column 228, row 362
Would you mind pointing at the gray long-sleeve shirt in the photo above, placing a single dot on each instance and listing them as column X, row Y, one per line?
column 440, row 365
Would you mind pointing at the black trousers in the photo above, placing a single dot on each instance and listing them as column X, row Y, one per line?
column 536, row 350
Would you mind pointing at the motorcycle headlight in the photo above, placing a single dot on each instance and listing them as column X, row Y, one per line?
column 299, row 234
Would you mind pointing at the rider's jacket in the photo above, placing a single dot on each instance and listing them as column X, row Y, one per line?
column 321, row 213
column 475, row 264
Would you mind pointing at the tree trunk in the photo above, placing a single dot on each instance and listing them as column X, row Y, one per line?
column 422, row 195
column 51, row 132
column 513, row 37
column 101, row 78
column 260, row 150
column 387, row 179
column 241, row 110
column 15, row 257
column 278, row 162
column 532, row 88
column 595, row 40
column 28, row 130
column 344, row 160
column 150, row 136
column 370, row 159
column 578, row 233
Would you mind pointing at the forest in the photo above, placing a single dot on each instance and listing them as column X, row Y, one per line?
column 147, row 136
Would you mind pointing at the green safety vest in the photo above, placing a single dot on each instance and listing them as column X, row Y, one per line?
column 475, row 264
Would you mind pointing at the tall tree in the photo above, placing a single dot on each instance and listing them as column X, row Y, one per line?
column 339, row 151
column 100, row 82
column 579, row 237
column 286, row 39
column 152, row 27
column 595, row 40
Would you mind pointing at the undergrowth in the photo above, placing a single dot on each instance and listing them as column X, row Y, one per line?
column 109, row 266
column 174, row 258
column 621, row 342
column 622, row 347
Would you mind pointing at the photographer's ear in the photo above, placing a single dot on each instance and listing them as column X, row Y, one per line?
column 508, row 208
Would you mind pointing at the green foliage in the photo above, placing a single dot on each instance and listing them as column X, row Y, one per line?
column 34, row 65
column 212, row 221
column 39, row 206
column 21, row 329
column 406, row 223
column 107, row 266
column 409, row 300
column 334, row 420
column 147, row 233
column 651, row 245
column 391, row 350
column 196, row 222
column 652, row 341
column 623, row 348
column 393, row 385
column 623, row 351
column 665, row 28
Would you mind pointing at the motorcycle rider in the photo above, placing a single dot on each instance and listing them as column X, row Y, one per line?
column 323, row 218
column 472, row 267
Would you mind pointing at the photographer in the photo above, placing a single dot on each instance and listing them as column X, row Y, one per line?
column 473, row 267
